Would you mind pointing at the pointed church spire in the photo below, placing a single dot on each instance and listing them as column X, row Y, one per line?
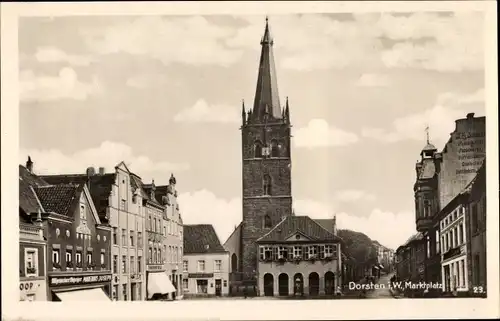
column 287, row 111
column 266, row 94
column 427, row 133
column 243, row 113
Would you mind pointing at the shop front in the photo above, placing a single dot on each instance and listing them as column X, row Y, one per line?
column 80, row 287
column 159, row 285
column 33, row 289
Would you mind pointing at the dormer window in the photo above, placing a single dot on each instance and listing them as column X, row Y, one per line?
column 267, row 185
column 257, row 149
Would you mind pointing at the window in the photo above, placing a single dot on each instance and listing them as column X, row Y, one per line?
column 131, row 238
column 78, row 258
column 175, row 254
column 56, row 257
column 157, row 224
column 124, row 292
column 123, row 205
column 455, row 236
column 328, row 251
column 68, row 257
column 115, row 236
column 155, row 256
column 185, row 284
column 185, row 266
column 257, row 148
column 154, row 226
column 115, row 264
column 115, row 292
column 473, row 216
column 149, row 223
column 218, row 266
column 312, row 251
column 427, row 208
column 275, row 152
column 462, row 270
column 335, row 250
column 124, row 264
column 89, row 258
column 282, row 252
column 438, row 242
column 139, row 265
column 102, row 259
column 460, row 233
column 267, row 223
column 164, row 230
column 297, row 252
column 159, row 256
column 201, row 266
column 201, row 286
column 132, row 264
column 139, row 238
column 267, row 184
column 150, row 255
column 83, row 216
column 31, row 262
column 124, row 237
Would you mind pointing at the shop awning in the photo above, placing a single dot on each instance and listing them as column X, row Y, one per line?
column 83, row 295
column 159, row 283
column 381, row 266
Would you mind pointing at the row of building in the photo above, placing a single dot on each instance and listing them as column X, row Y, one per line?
column 110, row 236
column 450, row 205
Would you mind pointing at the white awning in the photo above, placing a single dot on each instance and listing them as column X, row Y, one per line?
column 381, row 266
column 83, row 295
column 159, row 283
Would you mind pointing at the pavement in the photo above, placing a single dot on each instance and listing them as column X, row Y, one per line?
column 384, row 291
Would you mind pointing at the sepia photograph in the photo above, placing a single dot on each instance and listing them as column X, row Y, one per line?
column 254, row 157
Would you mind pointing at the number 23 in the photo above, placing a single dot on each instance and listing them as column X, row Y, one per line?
column 478, row 289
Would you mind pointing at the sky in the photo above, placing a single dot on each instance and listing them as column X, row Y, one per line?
column 164, row 94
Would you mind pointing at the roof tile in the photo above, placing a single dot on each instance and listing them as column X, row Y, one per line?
column 303, row 224
column 200, row 239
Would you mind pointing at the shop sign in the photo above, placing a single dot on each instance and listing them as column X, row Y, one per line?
column 154, row 267
column 78, row 280
column 201, row 275
column 28, row 286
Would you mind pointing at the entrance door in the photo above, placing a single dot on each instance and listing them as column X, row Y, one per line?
column 283, row 284
column 218, row 287
column 298, row 287
column 313, row 283
column 329, row 283
column 447, row 285
column 268, row 284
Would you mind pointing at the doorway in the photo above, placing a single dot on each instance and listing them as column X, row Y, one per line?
column 268, row 284
column 329, row 283
column 313, row 284
column 283, row 284
column 298, row 281
column 218, row 287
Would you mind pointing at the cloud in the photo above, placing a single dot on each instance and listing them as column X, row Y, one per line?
column 318, row 133
column 189, row 40
column 390, row 229
column 201, row 112
column 107, row 155
column 440, row 118
column 65, row 85
column 354, row 195
column 372, row 80
column 204, row 207
column 421, row 40
column 54, row 55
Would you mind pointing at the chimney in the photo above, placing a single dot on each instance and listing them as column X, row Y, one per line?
column 29, row 165
column 102, row 171
column 90, row 171
column 470, row 115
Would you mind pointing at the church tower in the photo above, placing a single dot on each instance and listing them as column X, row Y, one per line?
column 265, row 137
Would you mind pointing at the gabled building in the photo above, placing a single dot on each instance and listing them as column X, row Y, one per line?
column 118, row 203
column 78, row 265
column 206, row 263
column 32, row 243
column 299, row 257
